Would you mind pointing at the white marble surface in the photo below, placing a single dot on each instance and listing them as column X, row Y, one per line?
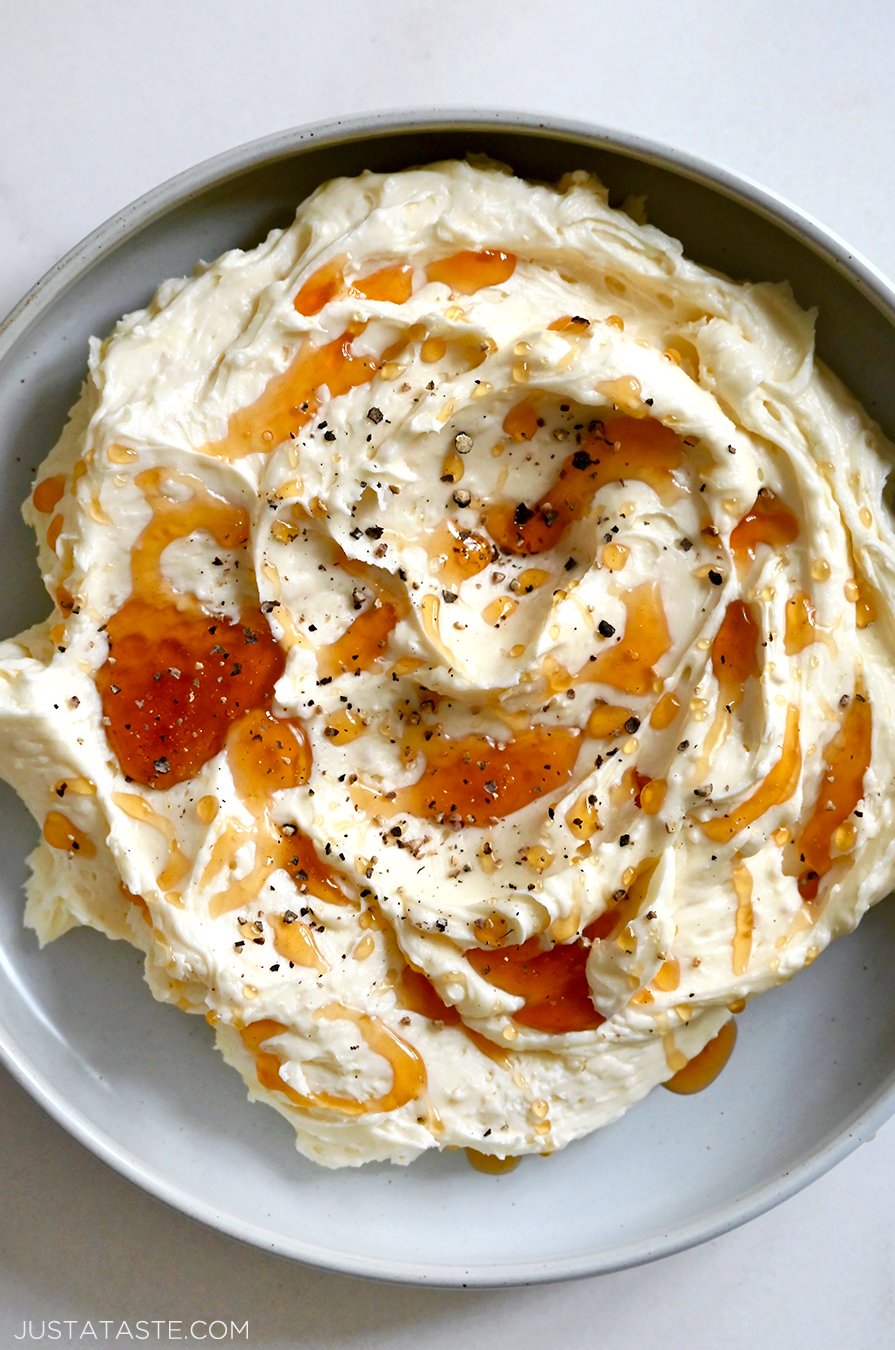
column 98, row 103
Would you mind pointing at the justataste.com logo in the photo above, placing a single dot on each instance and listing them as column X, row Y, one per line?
column 110, row 1330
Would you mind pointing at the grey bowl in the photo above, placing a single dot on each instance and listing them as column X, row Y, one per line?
column 814, row 1070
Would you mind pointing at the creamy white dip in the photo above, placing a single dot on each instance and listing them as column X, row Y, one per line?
column 470, row 621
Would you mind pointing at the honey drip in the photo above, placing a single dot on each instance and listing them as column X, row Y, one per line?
column 846, row 760
column 467, row 272
column 408, row 1069
column 626, row 447
column 629, row 664
column 768, row 521
column 702, row 1070
column 776, row 788
column 490, row 1164
column 473, row 779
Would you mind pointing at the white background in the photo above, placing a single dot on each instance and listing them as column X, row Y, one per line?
column 99, row 101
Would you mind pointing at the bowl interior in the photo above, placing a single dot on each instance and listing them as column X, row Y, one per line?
column 815, row 1063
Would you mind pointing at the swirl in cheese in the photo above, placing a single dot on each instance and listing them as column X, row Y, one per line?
column 469, row 623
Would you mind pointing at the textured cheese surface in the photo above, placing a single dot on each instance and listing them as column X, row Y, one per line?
column 470, row 660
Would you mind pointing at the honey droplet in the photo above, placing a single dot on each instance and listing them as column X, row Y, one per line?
column 614, row 556
column 462, row 552
column 521, row 422
column 668, row 976
column 48, row 493
column 432, row 350
column 365, row 948
column 207, row 808
column 652, row 796
column 60, row 833
column 295, row 942
column 665, row 711
column 583, row 817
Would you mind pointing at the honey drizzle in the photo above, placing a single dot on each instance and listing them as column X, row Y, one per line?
column 290, row 400
column 295, row 942
column 418, row 994
column 776, row 788
column 465, row 554
column 629, row 664
column 266, row 755
column 553, row 983
column 467, row 272
column 768, row 521
column 392, row 284
column 178, row 863
column 362, row 644
column 735, row 652
column 800, row 629
column 474, row 779
column 408, row 1069
column 846, row 760
column 624, row 448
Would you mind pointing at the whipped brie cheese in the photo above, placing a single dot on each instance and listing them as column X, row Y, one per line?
column 468, row 669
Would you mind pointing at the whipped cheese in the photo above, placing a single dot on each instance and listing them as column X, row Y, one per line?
column 470, row 659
